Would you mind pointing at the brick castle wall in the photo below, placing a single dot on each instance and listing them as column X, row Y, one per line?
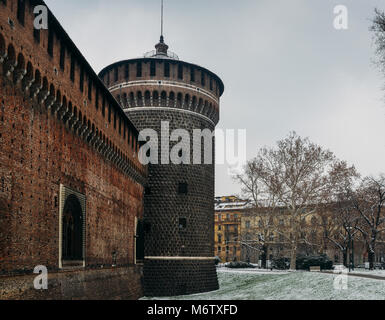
column 59, row 125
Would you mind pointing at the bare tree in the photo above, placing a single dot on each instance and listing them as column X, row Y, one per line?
column 263, row 209
column 378, row 28
column 369, row 201
column 339, row 216
column 296, row 172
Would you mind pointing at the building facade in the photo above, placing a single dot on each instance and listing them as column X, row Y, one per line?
column 162, row 93
column 227, row 232
column 265, row 236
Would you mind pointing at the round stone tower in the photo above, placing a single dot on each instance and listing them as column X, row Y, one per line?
column 155, row 91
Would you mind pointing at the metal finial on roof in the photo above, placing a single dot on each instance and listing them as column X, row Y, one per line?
column 161, row 23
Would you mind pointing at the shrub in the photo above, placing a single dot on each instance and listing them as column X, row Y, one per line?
column 281, row 263
column 305, row 262
column 236, row 265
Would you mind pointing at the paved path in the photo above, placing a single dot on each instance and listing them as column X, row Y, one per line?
column 361, row 275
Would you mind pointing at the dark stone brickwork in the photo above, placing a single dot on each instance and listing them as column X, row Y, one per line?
column 173, row 278
column 163, row 207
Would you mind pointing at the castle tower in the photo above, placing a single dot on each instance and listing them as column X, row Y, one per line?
column 179, row 199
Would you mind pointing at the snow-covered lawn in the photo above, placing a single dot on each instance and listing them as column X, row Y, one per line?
column 380, row 273
column 256, row 285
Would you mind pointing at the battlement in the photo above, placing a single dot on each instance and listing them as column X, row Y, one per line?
column 50, row 70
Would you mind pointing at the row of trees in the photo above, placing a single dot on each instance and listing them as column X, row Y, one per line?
column 306, row 179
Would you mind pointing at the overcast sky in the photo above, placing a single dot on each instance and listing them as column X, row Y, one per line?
column 284, row 65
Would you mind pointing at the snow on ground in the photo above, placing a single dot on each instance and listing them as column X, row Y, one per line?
column 380, row 273
column 252, row 285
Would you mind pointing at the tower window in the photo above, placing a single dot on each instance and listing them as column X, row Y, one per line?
column 139, row 69
column 192, row 74
column 203, row 79
column 152, row 69
column 147, row 227
column 167, row 69
column 182, row 223
column 127, row 71
column 180, row 72
column 116, row 74
column 182, row 188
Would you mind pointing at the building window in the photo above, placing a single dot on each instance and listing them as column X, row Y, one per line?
column 152, row 69
column 138, row 69
column 219, row 249
column 62, row 56
column 182, row 223
column 219, row 238
column 219, row 227
column 21, row 11
column 167, row 69
column 182, row 188
column 247, row 224
column 180, row 72
column 203, row 79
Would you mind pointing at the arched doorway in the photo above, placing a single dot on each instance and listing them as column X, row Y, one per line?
column 72, row 241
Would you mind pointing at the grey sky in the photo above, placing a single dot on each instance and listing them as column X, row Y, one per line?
column 283, row 64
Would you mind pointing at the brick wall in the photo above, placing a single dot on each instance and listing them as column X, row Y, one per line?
column 52, row 133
